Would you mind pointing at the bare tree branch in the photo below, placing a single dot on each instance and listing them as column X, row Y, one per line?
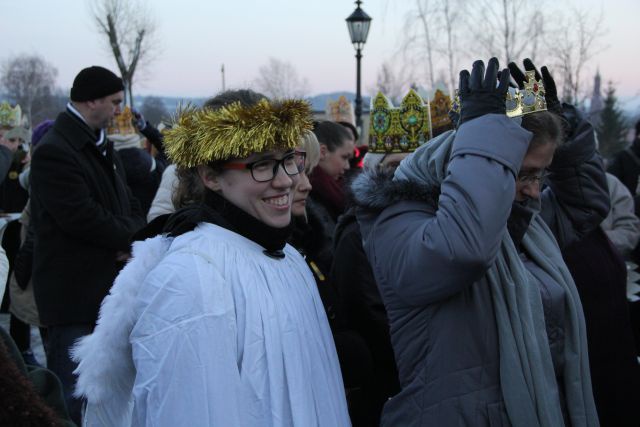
column 129, row 31
column 577, row 40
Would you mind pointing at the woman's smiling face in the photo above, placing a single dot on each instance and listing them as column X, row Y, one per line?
column 269, row 202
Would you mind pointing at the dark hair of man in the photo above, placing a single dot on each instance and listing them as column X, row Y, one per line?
column 545, row 126
column 190, row 189
column 331, row 134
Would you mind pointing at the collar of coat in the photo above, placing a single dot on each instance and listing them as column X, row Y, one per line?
column 75, row 131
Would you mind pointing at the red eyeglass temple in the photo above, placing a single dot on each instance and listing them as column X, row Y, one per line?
column 232, row 165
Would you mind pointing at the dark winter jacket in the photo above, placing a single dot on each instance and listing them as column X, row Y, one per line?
column 626, row 166
column 430, row 252
column 600, row 275
column 13, row 197
column 83, row 215
column 309, row 238
column 143, row 173
column 6, row 157
column 365, row 313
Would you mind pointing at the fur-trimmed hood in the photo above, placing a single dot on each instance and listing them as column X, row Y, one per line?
column 375, row 190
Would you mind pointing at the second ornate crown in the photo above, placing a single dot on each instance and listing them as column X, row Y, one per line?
column 407, row 127
column 398, row 130
column 10, row 117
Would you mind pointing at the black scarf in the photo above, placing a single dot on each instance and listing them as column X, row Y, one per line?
column 518, row 222
column 215, row 209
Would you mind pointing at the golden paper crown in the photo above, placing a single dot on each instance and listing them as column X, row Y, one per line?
column 341, row 111
column 398, row 130
column 528, row 100
column 122, row 124
column 199, row 137
column 10, row 117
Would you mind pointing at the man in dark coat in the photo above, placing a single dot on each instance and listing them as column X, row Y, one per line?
column 83, row 217
column 626, row 165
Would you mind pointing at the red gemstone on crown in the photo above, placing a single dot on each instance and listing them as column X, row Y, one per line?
column 535, row 87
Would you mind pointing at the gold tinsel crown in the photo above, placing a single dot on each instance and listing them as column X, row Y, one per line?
column 202, row 136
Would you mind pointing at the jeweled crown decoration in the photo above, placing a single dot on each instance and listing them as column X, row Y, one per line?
column 528, row 100
column 10, row 116
column 122, row 124
column 341, row 111
column 398, row 130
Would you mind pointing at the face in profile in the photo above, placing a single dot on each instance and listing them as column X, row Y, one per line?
column 103, row 110
column 336, row 163
column 533, row 171
column 268, row 201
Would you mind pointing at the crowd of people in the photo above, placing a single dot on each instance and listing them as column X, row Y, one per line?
column 247, row 265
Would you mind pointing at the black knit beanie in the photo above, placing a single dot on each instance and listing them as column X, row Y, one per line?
column 95, row 83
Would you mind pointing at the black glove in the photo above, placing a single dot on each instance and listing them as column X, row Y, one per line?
column 569, row 121
column 138, row 120
column 478, row 92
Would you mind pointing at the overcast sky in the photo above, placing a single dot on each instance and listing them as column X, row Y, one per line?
column 197, row 36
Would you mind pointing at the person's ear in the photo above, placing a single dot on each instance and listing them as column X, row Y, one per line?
column 209, row 178
column 323, row 151
column 91, row 105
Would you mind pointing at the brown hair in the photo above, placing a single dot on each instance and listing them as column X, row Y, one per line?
column 331, row 134
column 190, row 189
column 546, row 128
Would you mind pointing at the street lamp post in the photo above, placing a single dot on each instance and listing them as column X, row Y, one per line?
column 358, row 23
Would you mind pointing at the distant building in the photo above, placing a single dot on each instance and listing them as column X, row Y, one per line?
column 597, row 103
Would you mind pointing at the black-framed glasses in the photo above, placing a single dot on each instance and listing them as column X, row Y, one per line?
column 267, row 169
column 537, row 178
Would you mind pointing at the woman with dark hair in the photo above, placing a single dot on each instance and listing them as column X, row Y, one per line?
column 336, row 149
column 218, row 321
column 485, row 320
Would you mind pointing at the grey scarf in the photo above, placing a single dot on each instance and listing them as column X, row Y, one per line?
column 527, row 376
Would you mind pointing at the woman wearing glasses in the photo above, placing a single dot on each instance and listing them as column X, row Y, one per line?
column 218, row 322
column 464, row 243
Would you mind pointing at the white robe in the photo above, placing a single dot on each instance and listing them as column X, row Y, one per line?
column 206, row 330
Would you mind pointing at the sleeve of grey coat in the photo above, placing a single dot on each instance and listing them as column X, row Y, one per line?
column 622, row 226
column 426, row 257
column 577, row 197
column 6, row 157
column 61, row 189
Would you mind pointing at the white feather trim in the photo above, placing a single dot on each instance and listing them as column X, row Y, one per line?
column 105, row 371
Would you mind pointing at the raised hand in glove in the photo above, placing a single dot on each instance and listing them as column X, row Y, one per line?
column 138, row 119
column 478, row 92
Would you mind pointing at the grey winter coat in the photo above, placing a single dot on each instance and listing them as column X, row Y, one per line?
column 431, row 247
